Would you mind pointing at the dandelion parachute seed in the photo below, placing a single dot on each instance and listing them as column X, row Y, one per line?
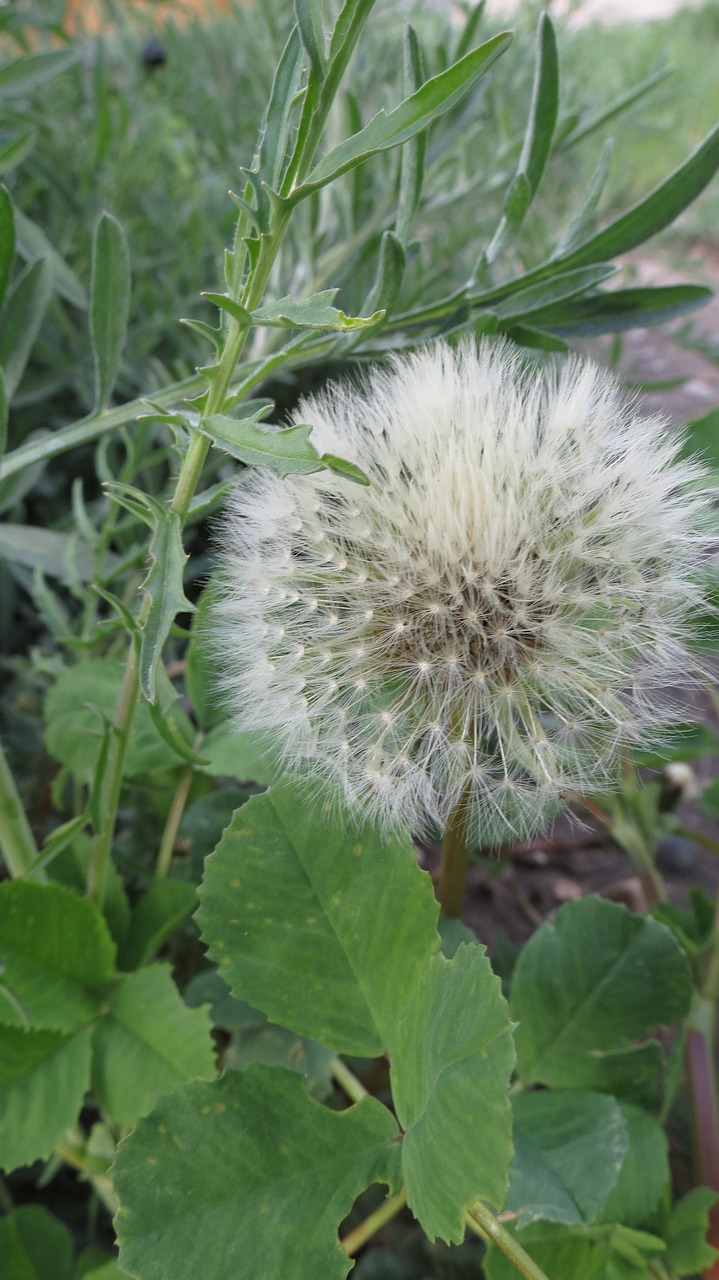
column 488, row 623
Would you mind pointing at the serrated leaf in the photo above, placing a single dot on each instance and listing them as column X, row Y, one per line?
column 206, row 1178
column 570, row 1147
column 587, row 983
column 643, row 1179
column 109, row 304
column 687, row 1249
column 451, row 1065
column 165, row 588
column 7, row 240
column 43, row 1079
column 315, row 312
column 148, row 1042
column 34, row 1245
column 56, row 954
column 412, row 116
column 22, row 315
column 286, row 450
column 24, row 73
column 73, row 712
column 325, row 928
column 154, row 919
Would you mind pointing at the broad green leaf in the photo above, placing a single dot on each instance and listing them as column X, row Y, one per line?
column 413, row 115
column 562, row 1252
column 154, row 919
column 34, row 1245
column 325, row 928
column 148, row 1042
column 59, row 555
column 23, row 74
column 74, row 710
column 543, row 107
column 309, row 21
column 204, row 821
column 621, row 309
column 247, row 1177
column 451, row 1066
column 316, row 312
column 276, row 125
column 12, row 153
column 644, row 1176
column 678, row 741
column 110, row 1271
column 68, row 864
column 7, row 240
column 43, row 1079
column 286, row 450
column 163, row 585
column 20, row 321
column 32, row 243
column 109, row 304
column 687, row 1249
column 569, row 1149
column 243, row 755
column 56, row 954
column 593, row 979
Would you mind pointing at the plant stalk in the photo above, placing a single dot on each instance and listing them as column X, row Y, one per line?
column 486, row 1225
column 355, row 1239
column 17, row 843
column 174, row 818
column 455, row 857
column 347, row 1080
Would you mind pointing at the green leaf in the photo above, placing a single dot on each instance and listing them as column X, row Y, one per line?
column 562, row 1253
column 569, row 1150
column 615, row 108
column 315, row 312
column 276, row 125
column 69, row 862
column 543, row 107
column 163, row 585
column 23, row 74
column 690, row 741
column 565, row 284
column 74, row 710
column 3, row 417
column 56, row 954
column 148, row 1042
column 341, row 467
column 326, row 932
column 12, row 153
column 625, row 1254
column 230, row 307
column 109, row 304
column 644, row 1175
column 244, row 755
column 286, row 450
column 43, row 1079
column 34, row 1245
column 59, row 555
column 390, row 271
column 413, row 115
column 412, row 156
column 32, row 244
column 202, row 676
column 622, row 309
column 247, row 1176
column 20, row 322
column 584, row 213
column 309, row 21
column 7, row 240
column 451, row 1066
column 154, row 919
column 687, row 1249
column 701, row 437
column 585, row 984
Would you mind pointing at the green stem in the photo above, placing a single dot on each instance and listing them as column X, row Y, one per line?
column 347, row 1080
column 17, row 842
column 455, row 857
column 174, row 818
column 355, row 1239
column 486, row 1225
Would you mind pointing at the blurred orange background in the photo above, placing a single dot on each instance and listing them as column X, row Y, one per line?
column 89, row 16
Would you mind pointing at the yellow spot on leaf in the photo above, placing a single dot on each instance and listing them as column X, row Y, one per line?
column 235, row 883
column 357, row 849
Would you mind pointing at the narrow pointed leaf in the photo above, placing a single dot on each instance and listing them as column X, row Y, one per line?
column 385, row 131
column 387, row 286
column 621, row 309
column 566, row 284
column 543, row 107
column 325, row 928
column 7, row 240
column 164, row 586
column 586, row 127
column 23, row 74
column 230, row 307
column 14, row 152
column 451, row 1067
column 247, row 1177
column 32, row 243
column 109, row 304
column 584, row 213
column 412, row 158
column 309, row 21
column 275, row 131
column 20, row 322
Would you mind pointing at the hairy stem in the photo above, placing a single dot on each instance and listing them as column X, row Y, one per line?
column 455, row 856
column 355, row 1239
column 486, row 1225
column 17, row 843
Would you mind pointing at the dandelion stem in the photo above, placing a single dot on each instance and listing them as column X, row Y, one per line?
column 354, row 1240
column 486, row 1225
column 455, row 856
column 172, row 825
column 347, row 1080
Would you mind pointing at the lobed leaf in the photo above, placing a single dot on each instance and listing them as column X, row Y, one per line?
column 315, row 312
column 164, row 586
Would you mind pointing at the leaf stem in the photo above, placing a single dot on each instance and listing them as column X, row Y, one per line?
column 355, row 1239
column 174, row 818
column 455, row 856
column 17, row 842
column 486, row 1225
column 347, row 1080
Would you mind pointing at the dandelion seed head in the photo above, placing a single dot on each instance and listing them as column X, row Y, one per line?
column 504, row 603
